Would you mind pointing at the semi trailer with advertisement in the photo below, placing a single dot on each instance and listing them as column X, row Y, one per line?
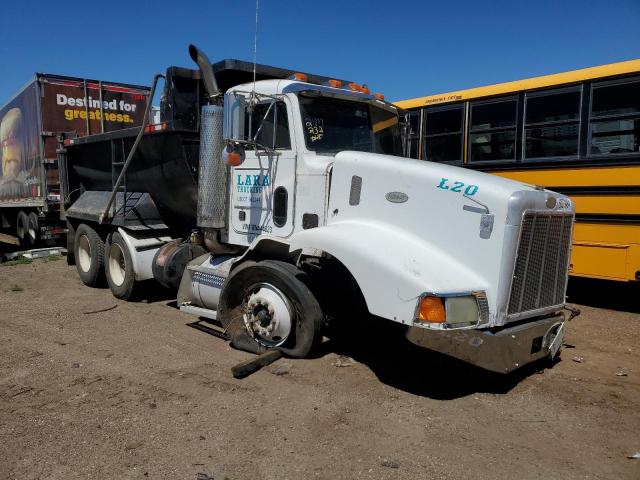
column 278, row 203
column 30, row 123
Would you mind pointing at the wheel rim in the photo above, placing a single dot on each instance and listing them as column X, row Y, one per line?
column 84, row 253
column 268, row 315
column 117, row 264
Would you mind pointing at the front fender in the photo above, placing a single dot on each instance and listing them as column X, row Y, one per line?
column 392, row 267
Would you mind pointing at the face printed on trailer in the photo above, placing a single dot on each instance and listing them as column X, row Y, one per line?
column 10, row 129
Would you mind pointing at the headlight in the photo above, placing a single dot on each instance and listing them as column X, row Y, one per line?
column 448, row 311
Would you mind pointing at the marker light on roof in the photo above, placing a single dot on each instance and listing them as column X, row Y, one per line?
column 301, row 77
column 334, row 83
column 379, row 96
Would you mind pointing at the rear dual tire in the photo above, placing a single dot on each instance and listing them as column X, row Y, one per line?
column 96, row 261
column 27, row 229
column 119, row 268
column 89, row 256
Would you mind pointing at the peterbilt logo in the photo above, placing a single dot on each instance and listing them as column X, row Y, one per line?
column 397, row 197
column 564, row 204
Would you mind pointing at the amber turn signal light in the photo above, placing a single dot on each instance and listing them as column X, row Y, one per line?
column 432, row 310
column 234, row 159
column 301, row 77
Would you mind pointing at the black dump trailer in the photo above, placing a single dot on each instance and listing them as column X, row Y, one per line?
column 30, row 123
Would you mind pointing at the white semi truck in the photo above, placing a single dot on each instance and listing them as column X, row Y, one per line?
column 277, row 203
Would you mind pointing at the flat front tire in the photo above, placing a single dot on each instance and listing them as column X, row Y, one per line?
column 119, row 268
column 89, row 255
column 269, row 305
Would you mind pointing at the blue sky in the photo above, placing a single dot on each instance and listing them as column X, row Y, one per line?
column 402, row 48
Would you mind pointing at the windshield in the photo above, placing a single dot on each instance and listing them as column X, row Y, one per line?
column 332, row 125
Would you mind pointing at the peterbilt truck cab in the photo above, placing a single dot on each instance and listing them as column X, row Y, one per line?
column 306, row 206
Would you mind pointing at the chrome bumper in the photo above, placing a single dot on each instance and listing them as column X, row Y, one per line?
column 502, row 351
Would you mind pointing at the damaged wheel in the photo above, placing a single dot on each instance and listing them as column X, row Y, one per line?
column 268, row 305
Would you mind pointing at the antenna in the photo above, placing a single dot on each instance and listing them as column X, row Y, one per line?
column 255, row 47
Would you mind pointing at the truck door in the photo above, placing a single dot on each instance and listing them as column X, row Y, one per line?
column 263, row 187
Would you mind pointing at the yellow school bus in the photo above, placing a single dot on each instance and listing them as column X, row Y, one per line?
column 576, row 132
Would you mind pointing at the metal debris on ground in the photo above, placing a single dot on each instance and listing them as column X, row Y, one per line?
column 282, row 369
column 621, row 373
column 37, row 253
column 343, row 361
column 389, row 463
column 578, row 359
column 101, row 310
column 635, row 456
column 253, row 364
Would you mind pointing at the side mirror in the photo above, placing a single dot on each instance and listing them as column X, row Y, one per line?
column 234, row 112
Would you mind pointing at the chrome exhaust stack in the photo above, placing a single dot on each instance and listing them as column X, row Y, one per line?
column 213, row 175
column 206, row 70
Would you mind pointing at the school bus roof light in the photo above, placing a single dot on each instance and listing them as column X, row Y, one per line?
column 379, row 96
column 334, row 83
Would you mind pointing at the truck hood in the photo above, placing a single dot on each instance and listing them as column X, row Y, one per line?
column 437, row 228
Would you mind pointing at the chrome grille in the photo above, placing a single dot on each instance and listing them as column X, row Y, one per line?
column 542, row 260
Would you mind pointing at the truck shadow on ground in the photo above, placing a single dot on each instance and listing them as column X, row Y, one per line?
column 150, row 291
column 619, row 296
column 381, row 346
column 398, row 363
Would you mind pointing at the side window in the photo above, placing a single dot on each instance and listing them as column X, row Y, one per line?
column 443, row 134
column 552, row 124
column 615, row 118
column 274, row 128
column 492, row 130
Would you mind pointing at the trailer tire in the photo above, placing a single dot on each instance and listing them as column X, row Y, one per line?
column 89, row 255
column 33, row 230
column 22, row 227
column 118, row 267
column 277, row 286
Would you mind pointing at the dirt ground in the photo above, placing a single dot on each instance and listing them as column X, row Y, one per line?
column 135, row 392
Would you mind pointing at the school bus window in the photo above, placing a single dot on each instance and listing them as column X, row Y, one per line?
column 552, row 124
column 492, row 133
column 618, row 99
column 414, row 132
column 443, row 135
column 615, row 119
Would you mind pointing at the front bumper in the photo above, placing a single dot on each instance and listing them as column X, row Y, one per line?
column 502, row 351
